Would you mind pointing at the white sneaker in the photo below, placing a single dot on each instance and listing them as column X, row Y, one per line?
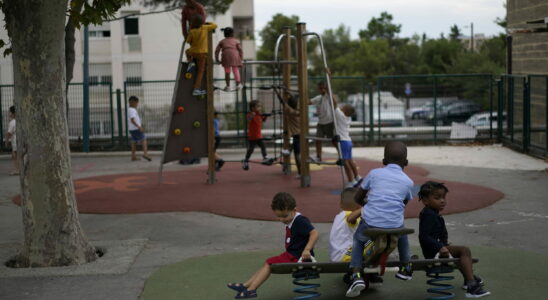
column 227, row 88
column 349, row 184
column 286, row 152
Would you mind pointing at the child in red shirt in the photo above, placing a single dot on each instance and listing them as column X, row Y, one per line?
column 254, row 137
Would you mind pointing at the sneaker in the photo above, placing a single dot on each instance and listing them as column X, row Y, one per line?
column 349, row 184
column 198, row 92
column 375, row 280
column 245, row 165
column 285, row 152
column 405, row 272
column 476, row 278
column 238, row 86
column 221, row 163
column 356, row 286
column 298, row 176
column 316, row 160
column 267, row 161
column 190, row 66
column 476, row 291
column 227, row 88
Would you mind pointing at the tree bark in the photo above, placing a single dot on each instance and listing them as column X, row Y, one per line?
column 52, row 232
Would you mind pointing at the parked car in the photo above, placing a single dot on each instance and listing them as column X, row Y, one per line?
column 422, row 112
column 483, row 119
column 458, row 111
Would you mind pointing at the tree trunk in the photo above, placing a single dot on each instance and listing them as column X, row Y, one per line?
column 53, row 236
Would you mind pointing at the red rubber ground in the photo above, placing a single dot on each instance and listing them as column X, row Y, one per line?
column 247, row 194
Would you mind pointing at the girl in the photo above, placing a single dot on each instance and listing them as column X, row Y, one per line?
column 12, row 137
column 231, row 58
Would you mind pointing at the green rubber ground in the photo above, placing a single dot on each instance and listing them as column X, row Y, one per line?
column 508, row 274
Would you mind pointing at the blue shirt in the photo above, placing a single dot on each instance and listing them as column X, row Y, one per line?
column 216, row 126
column 387, row 188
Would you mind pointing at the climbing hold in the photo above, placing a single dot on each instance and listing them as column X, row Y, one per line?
column 188, row 75
column 180, row 109
column 197, row 124
column 186, row 150
column 177, row 131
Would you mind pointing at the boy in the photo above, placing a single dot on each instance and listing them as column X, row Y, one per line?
column 191, row 8
column 300, row 238
column 197, row 38
column 433, row 236
column 325, row 125
column 388, row 190
column 291, row 113
column 135, row 129
column 12, row 138
column 254, row 136
column 342, row 120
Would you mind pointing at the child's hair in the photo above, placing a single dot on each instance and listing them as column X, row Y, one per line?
column 283, row 201
column 430, row 187
column 228, row 31
column 196, row 21
column 348, row 203
column 348, row 109
column 12, row 109
column 293, row 100
column 253, row 104
column 395, row 153
column 216, row 114
column 133, row 99
column 322, row 84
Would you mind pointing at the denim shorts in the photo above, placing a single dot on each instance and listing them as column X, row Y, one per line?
column 346, row 150
column 137, row 135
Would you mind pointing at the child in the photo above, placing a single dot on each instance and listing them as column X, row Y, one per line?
column 343, row 120
column 135, row 129
column 325, row 127
column 300, row 238
column 219, row 162
column 231, row 58
column 12, row 138
column 197, row 38
column 388, row 190
column 254, row 137
column 433, row 236
column 293, row 129
column 191, row 8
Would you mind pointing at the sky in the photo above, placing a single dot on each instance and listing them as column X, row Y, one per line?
column 416, row 16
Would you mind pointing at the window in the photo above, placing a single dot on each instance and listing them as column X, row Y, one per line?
column 100, row 31
column 107, row 129
column 131, row 26
column 133, row 74
column 94, row 127
column 134, row 80
column 93, row 80
column 106, row 79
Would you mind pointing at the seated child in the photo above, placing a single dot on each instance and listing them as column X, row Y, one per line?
column 197, row 38
column 433, row 236
column 300, row 238
column 342, row 121
column 388, row 190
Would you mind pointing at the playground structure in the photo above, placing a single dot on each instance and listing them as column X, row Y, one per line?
column 191, row 117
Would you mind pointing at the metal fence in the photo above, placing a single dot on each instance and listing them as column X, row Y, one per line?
column 423, row 108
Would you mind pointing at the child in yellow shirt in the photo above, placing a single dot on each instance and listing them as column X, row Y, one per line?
column 197, row 38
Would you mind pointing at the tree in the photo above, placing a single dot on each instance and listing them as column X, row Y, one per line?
column 380, row 28
column 52, row 232
column 455, row 32
column 269, row 34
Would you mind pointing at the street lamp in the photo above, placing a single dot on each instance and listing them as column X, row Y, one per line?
column 471, row 35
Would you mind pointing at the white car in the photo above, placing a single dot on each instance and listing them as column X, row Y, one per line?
column 482, row 119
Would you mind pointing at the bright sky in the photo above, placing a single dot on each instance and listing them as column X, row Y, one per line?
column 416, row 16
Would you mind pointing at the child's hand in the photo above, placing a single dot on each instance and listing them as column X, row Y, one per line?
column 141, row 129
column 306, row 256
column 444, row 252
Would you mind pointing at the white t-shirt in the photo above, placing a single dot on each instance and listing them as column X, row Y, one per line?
column 342, row 124
column 133, row 114
column 323, row 108
column 11, row 130
column 341, row 236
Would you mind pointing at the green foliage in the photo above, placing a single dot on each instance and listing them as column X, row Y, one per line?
column 213, row 7
column 455, row 32
column 81, row 12
column 380, row 28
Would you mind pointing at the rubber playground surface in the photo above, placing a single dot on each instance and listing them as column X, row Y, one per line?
column 508, row 274
column 247, row 194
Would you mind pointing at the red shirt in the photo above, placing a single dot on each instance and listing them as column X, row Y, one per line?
column 254, row 126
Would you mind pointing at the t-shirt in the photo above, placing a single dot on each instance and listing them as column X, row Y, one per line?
column 293, row 120
column 216, row 127
column 432, row 232
column 133, row 114
column 323, row 108
column 197, row 38
column 11, row 130
column 297, row 235
column 341, row 236
column 254, row 126
column 387, row 188
column 342, row 122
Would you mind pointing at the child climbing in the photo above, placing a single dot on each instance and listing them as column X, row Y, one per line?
column 231, row 58
column 190, row 9
column 197, row 38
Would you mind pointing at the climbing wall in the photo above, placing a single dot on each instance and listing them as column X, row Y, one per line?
column 187, row 134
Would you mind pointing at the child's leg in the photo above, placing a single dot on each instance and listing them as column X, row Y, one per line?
column 250, row 149
column 258, row 278
column 236, row 71
column 133, row 150
column 465, row 256
column 200, row 60
column 227, row 76
column 145, row 147
column 263, row 148
column 357, row 247
column 403, row 250
column 354, row 168
column 15, row 162
column 297, row 151
column 348, row 170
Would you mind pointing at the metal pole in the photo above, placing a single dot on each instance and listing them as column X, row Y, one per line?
column 526, row 115
column 111, row 115
column 286, row 69
column 435, row 109
column 511, row 107
column 363, row 109
column 1, row 122
column 85, row 125
column 490, row 78
column 371, row 121
column 500, row 112
column 303, row 102
column 210, row 111
column 119, row 111
column 472, row 37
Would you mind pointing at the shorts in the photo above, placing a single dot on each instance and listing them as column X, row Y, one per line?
column 296, row 145
column 137, row 135
column 13, row 144
column 346, row 150
column 285, row 257
column 325, row 130
column 217, row 142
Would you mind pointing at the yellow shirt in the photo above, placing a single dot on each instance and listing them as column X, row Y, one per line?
column 197, row 38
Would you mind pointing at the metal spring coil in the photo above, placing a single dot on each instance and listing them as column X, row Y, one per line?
column 306, row 288
column 439, row 288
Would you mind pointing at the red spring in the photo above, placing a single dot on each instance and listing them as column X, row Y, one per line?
column 382, row 262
